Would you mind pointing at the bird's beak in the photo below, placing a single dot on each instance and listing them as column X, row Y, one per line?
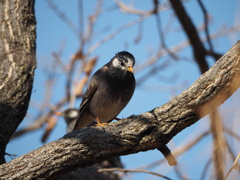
column 58, row 113
column 130, row 69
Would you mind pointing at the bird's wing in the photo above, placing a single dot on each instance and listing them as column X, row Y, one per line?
column 92, row 88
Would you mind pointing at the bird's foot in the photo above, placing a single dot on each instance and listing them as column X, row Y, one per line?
column 101, row 124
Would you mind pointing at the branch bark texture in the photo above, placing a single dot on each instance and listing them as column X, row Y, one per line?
column 17, row 64
column 150, row 130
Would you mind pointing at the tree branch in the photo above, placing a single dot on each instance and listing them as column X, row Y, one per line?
column 132, row 170
column 17, row 64
column 150, row 130
column 199, row 50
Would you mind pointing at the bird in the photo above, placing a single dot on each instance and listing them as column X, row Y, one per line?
column 70, row 116
column 108, row 92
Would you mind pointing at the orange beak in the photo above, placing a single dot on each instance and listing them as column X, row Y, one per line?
column 58, row 113
column 130, row 69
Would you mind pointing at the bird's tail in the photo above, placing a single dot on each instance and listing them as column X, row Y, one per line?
column 83, row 121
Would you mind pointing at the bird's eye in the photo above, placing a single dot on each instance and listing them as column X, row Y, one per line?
column 121, row 63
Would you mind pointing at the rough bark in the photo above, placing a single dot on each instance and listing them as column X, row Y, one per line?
column 17, row 64
column 142, row 132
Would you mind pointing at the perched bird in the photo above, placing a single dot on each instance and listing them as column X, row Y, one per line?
column 108, row 92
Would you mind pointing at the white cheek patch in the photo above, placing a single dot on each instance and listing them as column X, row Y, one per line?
column 116, row 63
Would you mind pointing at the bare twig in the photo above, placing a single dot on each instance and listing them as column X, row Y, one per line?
column 218, row 143
column 199, row 51
column 234, row 166
column 127, row 9
column 154, row 58
column 206, row 19
column 178, row 151
column 230, row 132
column 115, row 33
column 140, row 19
column 40, row 120
column 88, row 34
column 63, row 17
column 81, row 22
column 179, row 173
column 206, row 27
column 12, row 156
column 160, row 32
column 205, row 169
column 132, row 170
column 230, row 150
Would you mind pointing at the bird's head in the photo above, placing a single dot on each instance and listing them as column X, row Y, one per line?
column 69, row 114
column 123, row 60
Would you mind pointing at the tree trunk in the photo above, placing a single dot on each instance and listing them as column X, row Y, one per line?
column 17, row 64
column 150, row 130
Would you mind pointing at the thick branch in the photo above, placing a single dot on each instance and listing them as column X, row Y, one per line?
column 143, row 132
column 17, row 64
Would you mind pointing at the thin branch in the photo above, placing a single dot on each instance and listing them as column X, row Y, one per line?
column 160, row 32
column 199, row 50
column 211, row 51
column 88, row 34
column 63, row 17
column 139, row 33
column 205, row 169
column 219, row 145
column 115, row 33
column 178, row 151
column 40, row 120
column 12, row 156
column 127, row 9
column 140, row 19
column 153, row 59
column 132, row 170
column 81, row 21
column 230, row 132
column 179, row 173
column 234, row 166
column 230, row 150
column 205, row 13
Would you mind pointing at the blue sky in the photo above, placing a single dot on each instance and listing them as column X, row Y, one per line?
column 53, row 34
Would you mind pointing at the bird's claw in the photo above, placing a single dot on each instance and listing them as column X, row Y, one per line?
column 101, row 124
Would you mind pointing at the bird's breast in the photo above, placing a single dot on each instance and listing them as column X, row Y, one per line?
column 110, row 99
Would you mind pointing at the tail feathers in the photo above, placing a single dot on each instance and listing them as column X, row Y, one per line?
column 83, row 121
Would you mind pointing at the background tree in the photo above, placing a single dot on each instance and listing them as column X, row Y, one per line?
column 17, row 53
column 146, row 27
